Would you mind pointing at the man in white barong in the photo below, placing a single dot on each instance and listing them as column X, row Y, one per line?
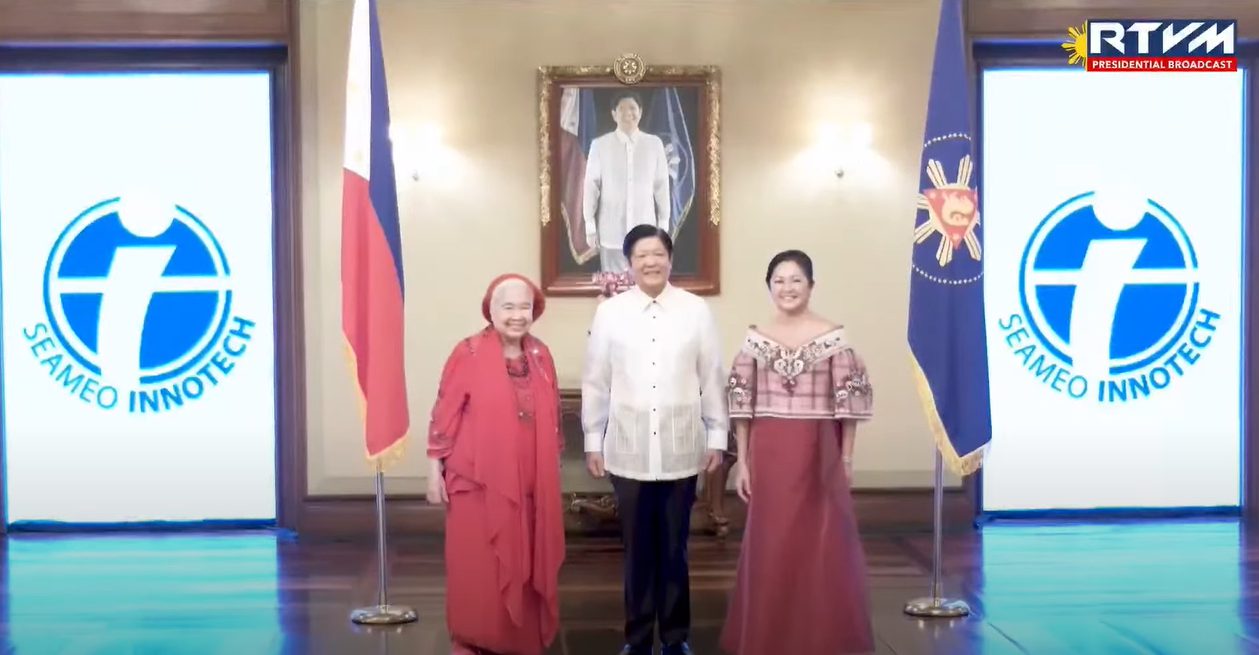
column 653, row 404
column 626, row 184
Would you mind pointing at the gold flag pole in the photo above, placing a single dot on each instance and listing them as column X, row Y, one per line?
column 935, row 605
column 382, row 613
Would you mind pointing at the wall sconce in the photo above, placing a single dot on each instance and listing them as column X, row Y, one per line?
column 842, row 144
column 417, row 150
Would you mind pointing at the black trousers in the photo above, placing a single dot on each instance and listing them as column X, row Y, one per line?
column 655, row 524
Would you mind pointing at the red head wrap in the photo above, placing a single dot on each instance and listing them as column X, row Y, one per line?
column 539, row 301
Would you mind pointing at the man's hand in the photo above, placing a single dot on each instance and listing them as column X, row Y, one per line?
column 594, row 464
column 712, row 460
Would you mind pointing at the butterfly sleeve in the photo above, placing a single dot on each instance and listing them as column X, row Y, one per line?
column 854, row 395
column 741, row 385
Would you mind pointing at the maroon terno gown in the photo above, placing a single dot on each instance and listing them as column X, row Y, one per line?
column 801, row 583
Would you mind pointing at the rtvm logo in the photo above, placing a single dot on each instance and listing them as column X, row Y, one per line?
column 1110, row 300
column 138, row 299
column 1154, row 45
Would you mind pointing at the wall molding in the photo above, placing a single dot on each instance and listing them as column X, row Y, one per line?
column 117, row 22
column 1049, row 19
column 878, row 511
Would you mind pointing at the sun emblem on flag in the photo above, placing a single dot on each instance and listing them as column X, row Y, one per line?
column 952, row 211
column 1077, row 45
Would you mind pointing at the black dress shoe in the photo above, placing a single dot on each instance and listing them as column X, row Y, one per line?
column 676, row 649
column 630, row 650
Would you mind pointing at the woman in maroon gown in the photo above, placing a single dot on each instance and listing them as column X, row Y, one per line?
column 796, row 392
column 494, row 459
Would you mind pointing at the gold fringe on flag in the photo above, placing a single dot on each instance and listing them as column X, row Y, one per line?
column 959, row 465
column 387, row 458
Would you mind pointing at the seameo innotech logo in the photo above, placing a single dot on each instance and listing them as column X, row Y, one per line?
column 1111, row 300
column 137, row 301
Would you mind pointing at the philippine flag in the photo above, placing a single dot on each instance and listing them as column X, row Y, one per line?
column 577, row 131
column 371, row 248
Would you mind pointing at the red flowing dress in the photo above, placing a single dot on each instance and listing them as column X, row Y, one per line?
column 504, row 536
column 801, row 582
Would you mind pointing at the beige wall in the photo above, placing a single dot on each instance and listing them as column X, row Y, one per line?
column 468, row 67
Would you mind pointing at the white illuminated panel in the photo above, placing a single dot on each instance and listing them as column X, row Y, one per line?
column 136, row 251
column 1114, row 230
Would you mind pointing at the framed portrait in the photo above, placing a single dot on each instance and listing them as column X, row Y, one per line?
column 620, row 146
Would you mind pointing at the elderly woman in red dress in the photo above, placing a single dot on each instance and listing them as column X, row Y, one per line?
column 797, row 391
column 494, row 449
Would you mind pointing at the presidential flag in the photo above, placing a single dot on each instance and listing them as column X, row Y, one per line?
column 946, row 295
column 371, row 250
column 667, row 120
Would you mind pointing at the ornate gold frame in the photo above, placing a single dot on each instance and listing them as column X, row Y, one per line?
column 630, row 70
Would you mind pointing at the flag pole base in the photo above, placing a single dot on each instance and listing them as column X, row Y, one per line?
column 383, row 612
column 937, row 608
column 384, row 615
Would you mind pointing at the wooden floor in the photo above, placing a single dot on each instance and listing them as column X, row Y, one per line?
column 1182, row 587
